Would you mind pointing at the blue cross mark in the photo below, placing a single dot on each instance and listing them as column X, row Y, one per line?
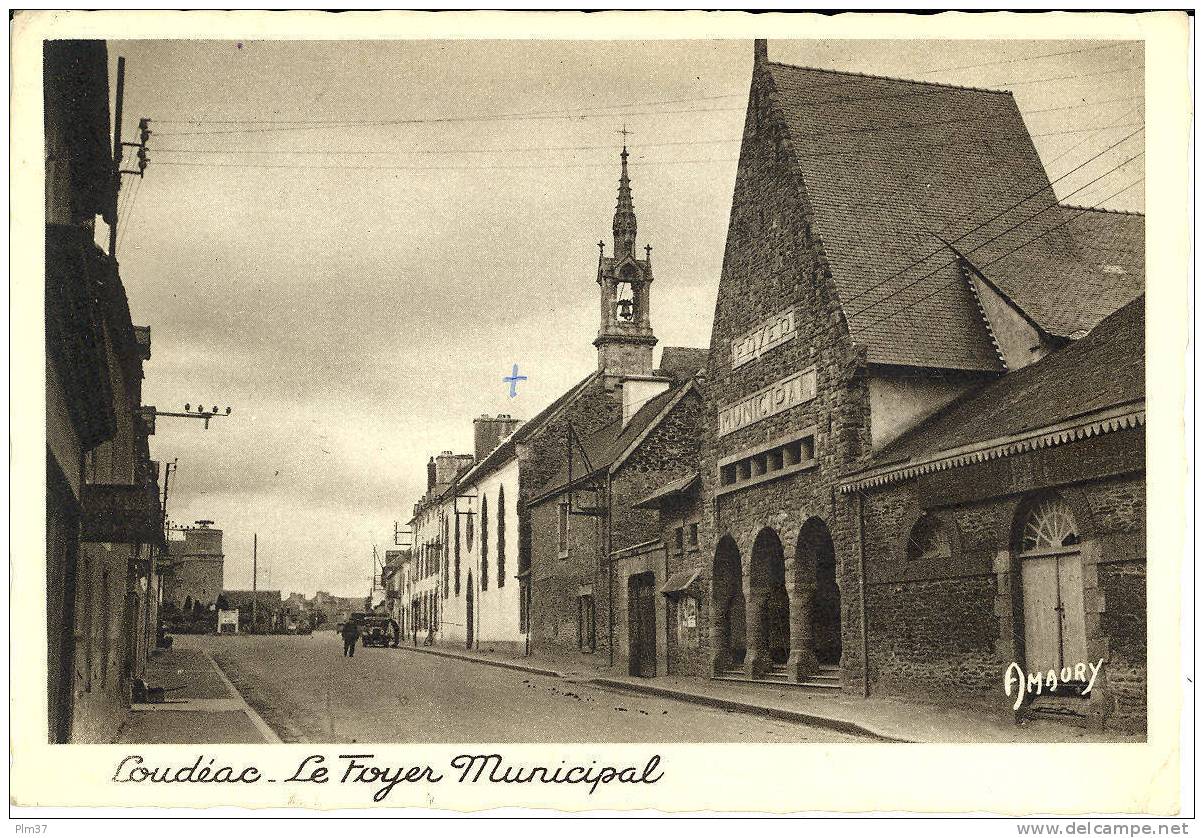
column 513, row 379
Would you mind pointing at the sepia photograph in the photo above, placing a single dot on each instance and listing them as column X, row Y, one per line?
column 628, row 390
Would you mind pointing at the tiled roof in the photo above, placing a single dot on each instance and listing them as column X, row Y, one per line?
column 891, row 168
column 682, row 362
column 505, row 450
column 1102, row 370
column 673, row 487
column 1074, row 266
column 608, row 443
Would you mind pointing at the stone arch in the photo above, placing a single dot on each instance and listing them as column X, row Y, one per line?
column 1072, row 496
column 728, row 627
column 1049, row 602
column 818, row 594
column 769, row 604
column 915, row 518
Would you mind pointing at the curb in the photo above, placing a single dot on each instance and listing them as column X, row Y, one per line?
column 796, row 716
column 519, row 667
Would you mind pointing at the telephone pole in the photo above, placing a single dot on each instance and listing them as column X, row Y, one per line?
column 254, row 582
column 117, row 153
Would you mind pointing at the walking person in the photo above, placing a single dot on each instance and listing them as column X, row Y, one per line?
column 351, row 633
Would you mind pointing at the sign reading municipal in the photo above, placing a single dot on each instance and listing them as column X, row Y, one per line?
column 771, row 333
column 789, row 392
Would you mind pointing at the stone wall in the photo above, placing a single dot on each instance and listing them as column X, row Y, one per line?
column 774, row 262
column 945, row 629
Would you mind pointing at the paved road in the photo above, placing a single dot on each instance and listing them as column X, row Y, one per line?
column 308, row 692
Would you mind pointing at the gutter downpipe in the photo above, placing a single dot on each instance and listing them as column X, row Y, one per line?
column 865, row 640
column 610, row 577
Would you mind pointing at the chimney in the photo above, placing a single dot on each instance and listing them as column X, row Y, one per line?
column 430, row 474
column 488, row 433
column 760, row 52
column 447, row 465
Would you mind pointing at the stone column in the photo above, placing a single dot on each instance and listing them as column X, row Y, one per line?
column 802, row 660
column 721, row 642
column 756, row 659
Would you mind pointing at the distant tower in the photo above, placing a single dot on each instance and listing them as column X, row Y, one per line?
column 625, row 338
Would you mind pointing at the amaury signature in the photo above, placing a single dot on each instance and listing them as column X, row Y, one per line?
column 1034, row 682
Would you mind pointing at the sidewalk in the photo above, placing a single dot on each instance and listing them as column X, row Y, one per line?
column 200, row 706
column 881, row 719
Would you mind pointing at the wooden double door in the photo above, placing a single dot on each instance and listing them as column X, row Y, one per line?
column 1055, row 627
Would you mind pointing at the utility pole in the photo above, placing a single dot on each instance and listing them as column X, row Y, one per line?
column 117, row 154
column 168, row 468
column 254, row 582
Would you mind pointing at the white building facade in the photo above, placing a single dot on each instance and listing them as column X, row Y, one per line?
column 481, row 608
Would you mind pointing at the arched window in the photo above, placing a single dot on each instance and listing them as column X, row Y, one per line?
column 928, row 540
column 484, row 544
column 456, row 550
column 1048, row 527
column 501, row 536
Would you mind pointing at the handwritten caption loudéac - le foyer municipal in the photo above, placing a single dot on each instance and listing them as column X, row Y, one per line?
column 360, row 768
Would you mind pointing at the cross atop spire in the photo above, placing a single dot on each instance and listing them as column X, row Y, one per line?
column 624, row 226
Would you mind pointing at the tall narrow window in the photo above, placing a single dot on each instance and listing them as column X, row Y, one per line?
column 501, row 536
column 585, row 623
column 563, row 542
column 484, row 544
column 456, row 551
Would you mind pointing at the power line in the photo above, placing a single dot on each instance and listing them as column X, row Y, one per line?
column 998, row 259
column 1045, row 185
column 1029, row 58
column 578, row 114
column 509, row 149
column 978, row 246
column 531, row 166
column 518, row 117
column 848, row 317
column 1084, row 105
column 553, row 111
column 130, row 217
column 1076, row 76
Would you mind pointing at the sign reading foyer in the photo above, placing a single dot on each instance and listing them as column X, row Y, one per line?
column 772, row 333
column 795, row 389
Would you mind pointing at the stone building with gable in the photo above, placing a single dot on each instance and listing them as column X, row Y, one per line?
column 896, row 254
column 104, row 519
column 598, row 563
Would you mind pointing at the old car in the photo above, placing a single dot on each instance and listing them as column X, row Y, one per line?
column 376, row 629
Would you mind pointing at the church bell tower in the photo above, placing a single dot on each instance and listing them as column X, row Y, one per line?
column 625, row 338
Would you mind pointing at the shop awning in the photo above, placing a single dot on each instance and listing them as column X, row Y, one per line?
column 679, row 582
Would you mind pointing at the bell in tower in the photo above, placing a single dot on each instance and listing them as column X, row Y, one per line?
column 625, row 338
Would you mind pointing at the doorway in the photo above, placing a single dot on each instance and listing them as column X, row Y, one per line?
column 641, row 621
column 767, row 582
column 727, row 597
column 1051, row 578
column 816, row 554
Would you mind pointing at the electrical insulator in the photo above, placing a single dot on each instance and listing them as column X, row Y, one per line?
column 144, row 130
column 142, row 158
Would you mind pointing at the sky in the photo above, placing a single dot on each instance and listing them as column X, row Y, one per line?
column 351, row 243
